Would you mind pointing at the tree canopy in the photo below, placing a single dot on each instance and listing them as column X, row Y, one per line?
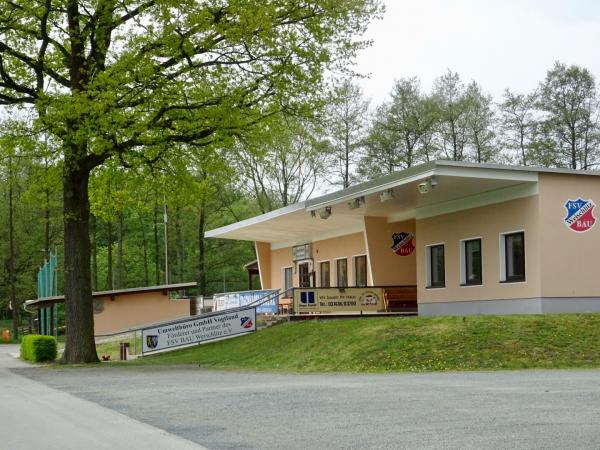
column 132, row 79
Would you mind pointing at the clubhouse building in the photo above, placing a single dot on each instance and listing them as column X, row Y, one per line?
column 442, row 238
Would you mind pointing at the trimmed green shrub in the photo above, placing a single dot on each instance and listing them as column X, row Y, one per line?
column 37, row 348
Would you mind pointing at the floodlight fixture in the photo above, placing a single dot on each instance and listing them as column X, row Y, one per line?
column 429, row 183
column 386, row 195
column 324, row 213
column 356, row 203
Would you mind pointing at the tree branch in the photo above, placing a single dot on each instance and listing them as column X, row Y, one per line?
column 33, row 64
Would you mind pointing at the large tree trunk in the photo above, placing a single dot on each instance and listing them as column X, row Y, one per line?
column 79, row 317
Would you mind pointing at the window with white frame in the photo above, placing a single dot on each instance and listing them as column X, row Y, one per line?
column 287, row 278
column 341, row 271
column 436, row 270
column 324, row 274
column 360, row 271
column 512, row 257
column 470, row 262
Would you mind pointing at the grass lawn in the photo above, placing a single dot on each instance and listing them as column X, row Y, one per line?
column 405, row 344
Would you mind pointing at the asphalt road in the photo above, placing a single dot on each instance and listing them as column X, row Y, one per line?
column 34, row 416
column 231, row 410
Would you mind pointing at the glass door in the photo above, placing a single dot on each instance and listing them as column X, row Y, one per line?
column 304, row 275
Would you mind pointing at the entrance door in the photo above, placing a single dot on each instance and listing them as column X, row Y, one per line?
column 304, row 275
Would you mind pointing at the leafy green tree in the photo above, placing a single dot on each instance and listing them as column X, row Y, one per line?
column 282, row 162
column 518, row 124
column 130, row 79
column 346, row 125
column 569, row 102
column 481, row 123
column 399, row 132
column 452, row 110
column 20, row 251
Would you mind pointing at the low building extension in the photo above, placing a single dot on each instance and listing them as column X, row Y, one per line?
column 120, row 310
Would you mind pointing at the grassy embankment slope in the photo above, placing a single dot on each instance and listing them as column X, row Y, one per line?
column 405, row 344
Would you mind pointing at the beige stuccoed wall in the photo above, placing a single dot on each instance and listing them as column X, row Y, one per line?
column 324, row 250
column 340, row 247
column 486, row 222
column 130, row 310
column 280, row 258
column 571, row 261
column 389, row 269
column 263, row 256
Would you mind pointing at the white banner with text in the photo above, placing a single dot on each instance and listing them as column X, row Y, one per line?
column 198, row 329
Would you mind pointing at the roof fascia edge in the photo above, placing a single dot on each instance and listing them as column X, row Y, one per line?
column 217, row 232
column 487, row 172
column 331, row 200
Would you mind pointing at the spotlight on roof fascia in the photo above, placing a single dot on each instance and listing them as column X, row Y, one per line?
column 429, row 183
column 386, row 195
column 356, row 203
column 324, row 213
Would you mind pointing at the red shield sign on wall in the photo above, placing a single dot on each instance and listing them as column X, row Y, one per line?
column 403, row 243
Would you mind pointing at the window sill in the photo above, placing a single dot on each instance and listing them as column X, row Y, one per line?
column 471, row 284
column 513, row 281
column 435, row 287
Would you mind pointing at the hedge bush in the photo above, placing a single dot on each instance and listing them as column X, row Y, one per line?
column 37, row 348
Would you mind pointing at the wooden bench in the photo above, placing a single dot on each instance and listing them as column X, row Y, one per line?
column 401, row 299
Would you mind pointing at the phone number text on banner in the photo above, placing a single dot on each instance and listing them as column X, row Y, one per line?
column 198, row 329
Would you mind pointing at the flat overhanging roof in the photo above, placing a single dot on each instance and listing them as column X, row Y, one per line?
column 118, row 292
column 451, row 186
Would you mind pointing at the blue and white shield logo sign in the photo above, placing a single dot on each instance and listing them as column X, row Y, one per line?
column 580, row 215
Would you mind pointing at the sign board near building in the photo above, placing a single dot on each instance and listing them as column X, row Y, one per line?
column 301, row 252
column 239, row 299
column 580, row 215
column 338, row 300
column 198, row 329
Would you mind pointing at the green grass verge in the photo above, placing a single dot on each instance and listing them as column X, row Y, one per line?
column 405, row 344
column 112, row 349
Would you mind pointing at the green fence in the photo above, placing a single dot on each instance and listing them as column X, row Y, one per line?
column 48, row 287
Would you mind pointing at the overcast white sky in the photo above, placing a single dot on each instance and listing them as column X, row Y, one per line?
column 498, row 43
